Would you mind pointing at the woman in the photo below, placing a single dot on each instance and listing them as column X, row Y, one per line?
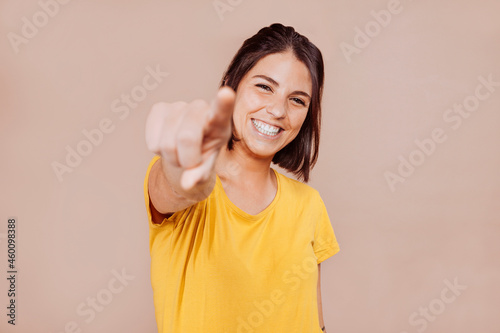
column 235, row 245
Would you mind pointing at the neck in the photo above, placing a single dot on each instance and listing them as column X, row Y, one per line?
column 237, row 166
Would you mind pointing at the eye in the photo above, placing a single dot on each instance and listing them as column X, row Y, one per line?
column 299, row 101
column 264, row 87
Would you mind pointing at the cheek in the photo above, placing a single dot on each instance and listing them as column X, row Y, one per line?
column 250, row 101
column 246, row 104
column 297, row 120
column 240, row 111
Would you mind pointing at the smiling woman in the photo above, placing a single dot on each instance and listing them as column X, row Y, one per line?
column 306, row 63
column 235, row 245
column 269, row 115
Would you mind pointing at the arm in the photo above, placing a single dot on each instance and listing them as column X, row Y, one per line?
column 188, row 136
column 167, row 195
column 320, row 305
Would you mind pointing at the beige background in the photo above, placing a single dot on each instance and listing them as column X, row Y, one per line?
column 398, row 247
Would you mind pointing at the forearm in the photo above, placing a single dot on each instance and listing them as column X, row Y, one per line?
column 165, row 190
column 320, row 304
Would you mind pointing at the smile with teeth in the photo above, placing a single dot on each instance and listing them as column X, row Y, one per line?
column 265, row 128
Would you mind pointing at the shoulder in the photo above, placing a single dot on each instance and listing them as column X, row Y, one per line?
column 297, row 188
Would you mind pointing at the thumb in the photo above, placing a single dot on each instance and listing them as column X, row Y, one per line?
column 191, row 177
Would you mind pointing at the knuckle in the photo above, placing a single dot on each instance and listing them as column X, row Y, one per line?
column 159, row 107
column 161, row 104
column 159, row 111
column 168, row 147
column 187, row 137
column 152, row 146
column 152, row 142
column 166, row 109
column 199, row 103
column 179, row 105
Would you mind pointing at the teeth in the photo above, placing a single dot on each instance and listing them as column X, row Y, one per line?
column 265, row 128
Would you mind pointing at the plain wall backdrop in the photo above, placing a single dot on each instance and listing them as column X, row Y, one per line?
column 408, row 168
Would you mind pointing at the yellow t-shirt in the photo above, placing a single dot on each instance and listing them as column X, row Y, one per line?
column 218, row 269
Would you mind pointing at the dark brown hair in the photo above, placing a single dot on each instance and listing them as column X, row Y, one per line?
column 300, row 155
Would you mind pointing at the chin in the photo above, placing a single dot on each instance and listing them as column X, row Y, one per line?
column 263, row 149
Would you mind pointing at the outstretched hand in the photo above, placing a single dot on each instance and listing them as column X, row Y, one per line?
column 189, row 136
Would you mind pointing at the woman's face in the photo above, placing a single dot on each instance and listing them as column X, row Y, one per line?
column 271, row 104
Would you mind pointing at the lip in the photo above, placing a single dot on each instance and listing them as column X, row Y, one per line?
column 271, row 137
column 265, row 122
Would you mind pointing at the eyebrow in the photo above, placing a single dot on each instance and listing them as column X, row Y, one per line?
column 273, row 82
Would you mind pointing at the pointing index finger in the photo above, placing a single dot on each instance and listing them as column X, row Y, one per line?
column 222, row 109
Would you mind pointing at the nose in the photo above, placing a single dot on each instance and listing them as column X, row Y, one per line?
column 277, row 110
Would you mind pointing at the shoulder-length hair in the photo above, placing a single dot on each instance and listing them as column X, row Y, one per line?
column 300, row 155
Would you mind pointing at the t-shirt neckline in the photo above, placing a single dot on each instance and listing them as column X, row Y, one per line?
column 240, row 211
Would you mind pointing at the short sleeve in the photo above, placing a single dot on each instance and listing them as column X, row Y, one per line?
column 325, row 242
column 146, row 188
column 147, row 199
